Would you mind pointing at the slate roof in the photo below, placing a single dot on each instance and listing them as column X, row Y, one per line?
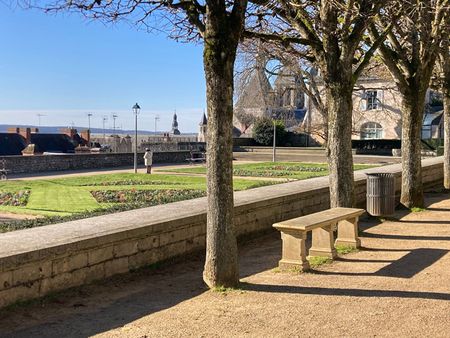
column 11, row 144
column 257, row 93
column 53, row 143
column 204, row 120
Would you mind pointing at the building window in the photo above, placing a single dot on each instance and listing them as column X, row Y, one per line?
column 372, row 99
column 371, row 130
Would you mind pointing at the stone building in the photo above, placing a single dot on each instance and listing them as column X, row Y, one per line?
column 284, row 100
column 376, row 105
column 377, row 109
column 114, row 143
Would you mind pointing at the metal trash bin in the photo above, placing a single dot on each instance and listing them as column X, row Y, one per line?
column 380, row 194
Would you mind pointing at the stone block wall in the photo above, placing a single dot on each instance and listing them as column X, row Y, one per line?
column 44, row 163
column 35, row 262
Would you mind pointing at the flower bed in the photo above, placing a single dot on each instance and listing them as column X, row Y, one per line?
column 279, row 170
column 296, row 168
column 130, row 182
column 145, row 197
column 16, row 199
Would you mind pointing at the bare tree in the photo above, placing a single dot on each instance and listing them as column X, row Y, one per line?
column 219, row 24
column 275, row 60
column 334, row 32
column 444, row 62
column 410, row 53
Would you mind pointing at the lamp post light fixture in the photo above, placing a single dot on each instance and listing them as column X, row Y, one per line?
column 136, row 110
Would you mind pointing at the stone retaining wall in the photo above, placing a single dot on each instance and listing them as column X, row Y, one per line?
column 44, row 163
column 35, row 262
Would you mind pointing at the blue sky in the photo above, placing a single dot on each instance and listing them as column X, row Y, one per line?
column 63, row 66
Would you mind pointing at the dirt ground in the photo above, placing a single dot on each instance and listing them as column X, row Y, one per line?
column 398, row 285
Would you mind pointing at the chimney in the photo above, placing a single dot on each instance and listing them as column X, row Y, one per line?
column 86, row 136
column 71, row 132
column 24, row 132
column 28, row 135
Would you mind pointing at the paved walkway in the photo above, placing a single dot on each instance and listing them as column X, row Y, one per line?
column 261, row 155
column 397, row 286
column 307, row 155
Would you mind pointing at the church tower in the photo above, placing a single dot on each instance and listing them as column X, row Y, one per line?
column 175, row 130
column 203, row 129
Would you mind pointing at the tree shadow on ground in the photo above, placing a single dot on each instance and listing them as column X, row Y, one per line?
column 423, row 221
column 437, row 209
column 260, row 255
column 405, row 267
column 115, row 302
column 345, row 292
column 407, row 237
column 106, row 305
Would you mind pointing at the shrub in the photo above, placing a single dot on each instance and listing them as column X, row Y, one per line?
column 263, row 131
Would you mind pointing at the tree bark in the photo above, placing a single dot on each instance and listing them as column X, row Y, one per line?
column 221, row 265
column 446, row 94
column 339, row 144
column 413, row 106
column 445, row 63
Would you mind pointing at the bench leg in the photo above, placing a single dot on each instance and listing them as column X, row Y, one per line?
column 348, row 233
column 323, row 242
column 294, row 251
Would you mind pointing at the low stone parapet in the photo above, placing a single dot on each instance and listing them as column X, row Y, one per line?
column 35, row 262
column 45, row 163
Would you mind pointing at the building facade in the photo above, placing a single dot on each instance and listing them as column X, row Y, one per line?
column 377, row 110
column 283, row 100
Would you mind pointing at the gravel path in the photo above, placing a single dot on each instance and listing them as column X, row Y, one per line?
column 397, row 286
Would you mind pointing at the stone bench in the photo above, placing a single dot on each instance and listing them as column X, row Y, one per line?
column 197, row 157
column 322, row 224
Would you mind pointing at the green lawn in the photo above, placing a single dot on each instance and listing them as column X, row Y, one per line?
column 290, row 170
column 77, row 197
column 66, row 196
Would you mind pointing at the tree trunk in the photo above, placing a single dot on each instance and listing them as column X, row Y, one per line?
column 413, row 106
column 445, row 62
column 221, row 266
column 339, row 144
column 446, row 94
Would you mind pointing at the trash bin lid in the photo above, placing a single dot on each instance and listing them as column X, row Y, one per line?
column 381, row 174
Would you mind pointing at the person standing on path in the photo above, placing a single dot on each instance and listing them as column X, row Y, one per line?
column 148, row 159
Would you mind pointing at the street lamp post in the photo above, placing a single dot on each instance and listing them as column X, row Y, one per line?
column 274, row 150
column 156, row 121
column 39, row 118
column 105, row 118
column 114, row 122
column 89, row 115
column 136, row 110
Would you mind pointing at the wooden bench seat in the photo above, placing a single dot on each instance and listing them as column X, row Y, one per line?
column 322, row 224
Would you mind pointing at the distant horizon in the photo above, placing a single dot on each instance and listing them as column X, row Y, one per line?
column 189, row 118
column 94, row 130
